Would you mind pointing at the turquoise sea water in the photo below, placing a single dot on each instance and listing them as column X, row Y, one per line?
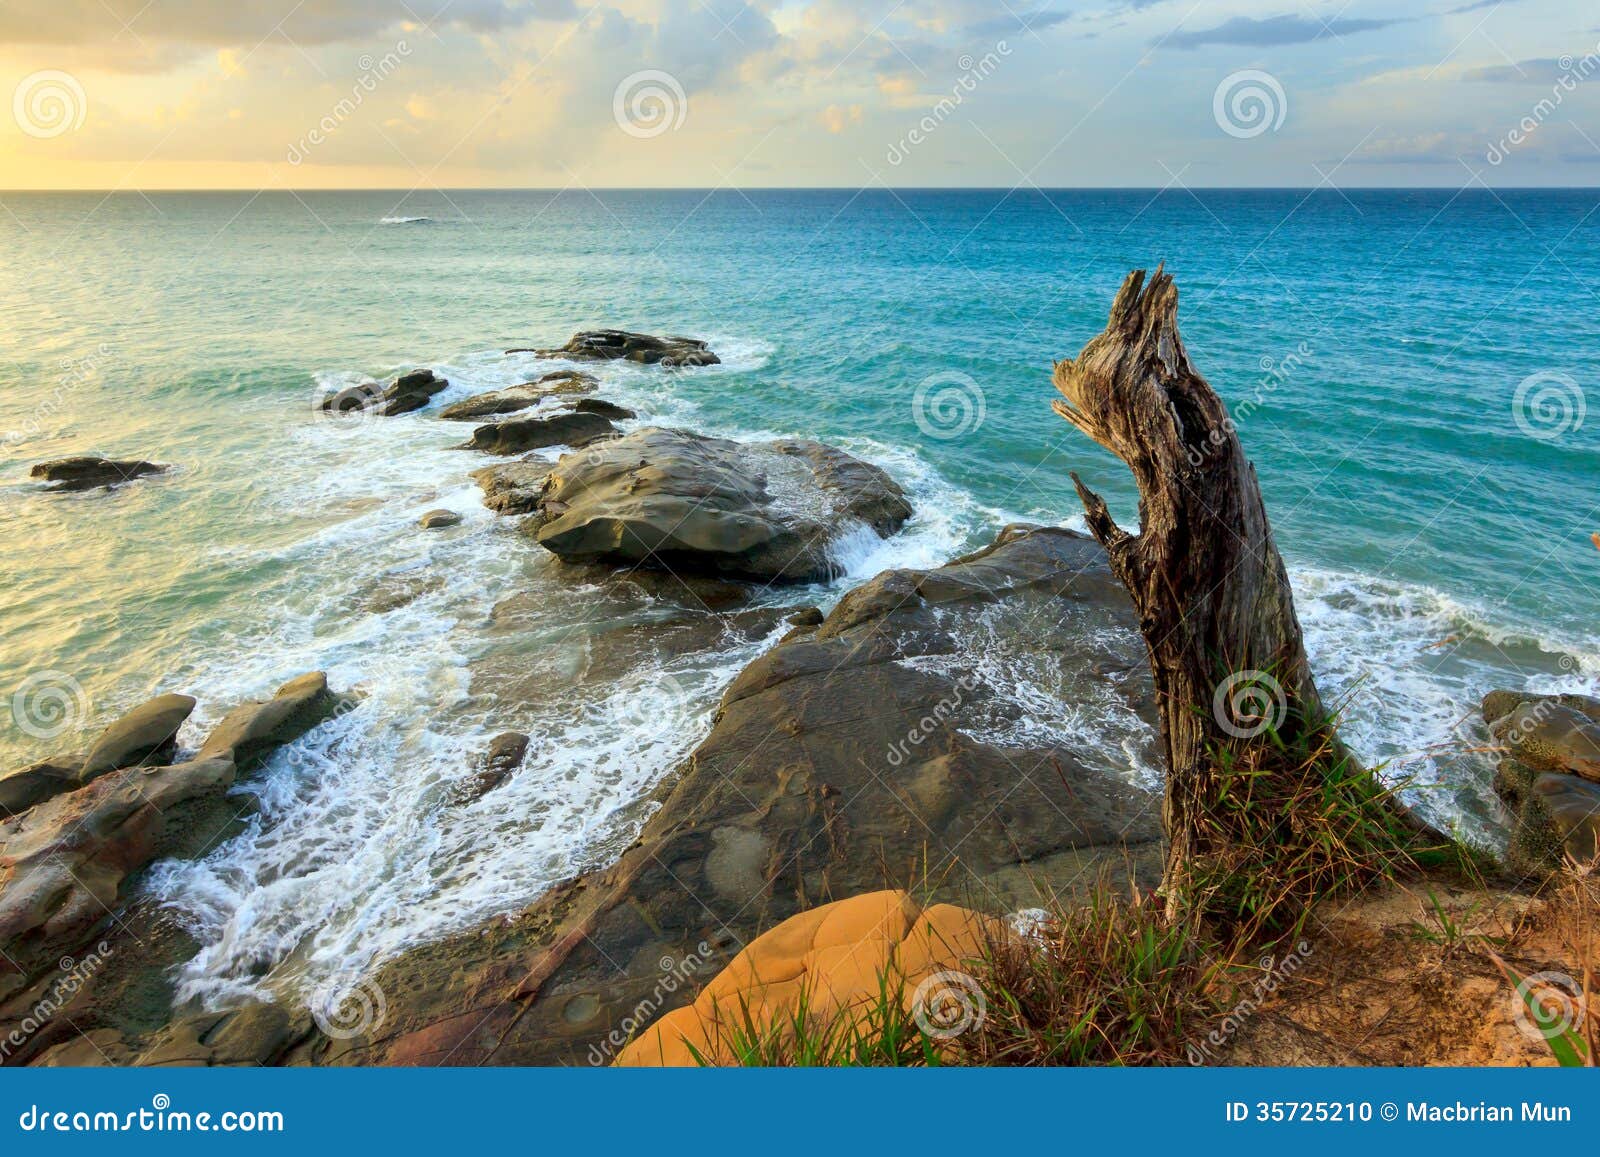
column 1416, row 375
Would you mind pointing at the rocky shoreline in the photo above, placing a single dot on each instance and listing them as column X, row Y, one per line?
column 843, row 762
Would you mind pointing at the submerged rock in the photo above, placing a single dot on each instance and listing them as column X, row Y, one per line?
column 90, row 473
column 683, row 501
column 412, row 391
column 843, row 761
column 519, row 435
column 505, row 754
column 621, row 344
column 560, row 383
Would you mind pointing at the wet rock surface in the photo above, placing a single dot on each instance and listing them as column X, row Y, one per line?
column 519, row 435
column 699, row 505
column 1548, row 775
column 841, row 762
column 621, row 344
column 91, row 473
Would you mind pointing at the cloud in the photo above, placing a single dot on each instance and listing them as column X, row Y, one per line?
column 137, row 31
column 837, row 118
column 1477, row 5
column 1545, row 70
column 1275, row 30
column 1020, row 22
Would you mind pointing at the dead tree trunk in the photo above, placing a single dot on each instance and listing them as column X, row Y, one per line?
column 1245, row 733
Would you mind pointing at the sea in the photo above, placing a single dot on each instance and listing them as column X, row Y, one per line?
column 1415, row 374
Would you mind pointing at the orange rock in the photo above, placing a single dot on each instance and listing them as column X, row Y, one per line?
column 837, row 955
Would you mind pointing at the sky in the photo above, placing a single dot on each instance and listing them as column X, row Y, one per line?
column 189, row 94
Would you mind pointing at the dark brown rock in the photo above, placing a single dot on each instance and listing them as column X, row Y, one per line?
column 21, row 789
column 435, row 519
column 620, row 344
column 409, row 392
column 512, row 487
column 513, row 398
column 90, row 473
column 505, row 754
column 519, row 435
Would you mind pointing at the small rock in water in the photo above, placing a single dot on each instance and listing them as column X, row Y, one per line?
column 512, row 487
column 438, row 518
column 519, row 435
column 806, row 617
column 506, row 753
column 91, row 473
column 604, row 408
column 621, row 344
column 559, row 383
column 410, row 391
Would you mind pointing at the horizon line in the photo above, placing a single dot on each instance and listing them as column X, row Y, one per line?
column 1157, row 189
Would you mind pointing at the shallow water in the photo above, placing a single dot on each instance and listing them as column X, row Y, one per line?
column 1372, row 348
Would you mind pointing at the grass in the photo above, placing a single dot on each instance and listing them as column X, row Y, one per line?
column 1289, row 818
column 1112, row 982
column 882, row 1033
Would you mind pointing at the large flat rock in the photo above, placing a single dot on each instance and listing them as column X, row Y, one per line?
column 684, row 502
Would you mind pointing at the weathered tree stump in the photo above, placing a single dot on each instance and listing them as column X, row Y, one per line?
column 1254, row 767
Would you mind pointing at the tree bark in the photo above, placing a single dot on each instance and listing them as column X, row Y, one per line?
column 1209, row 586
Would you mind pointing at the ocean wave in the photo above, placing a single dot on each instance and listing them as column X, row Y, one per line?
column 405, row 220
column 1407, row 666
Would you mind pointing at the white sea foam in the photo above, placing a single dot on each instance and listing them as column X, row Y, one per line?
column 405, row 220
column 364, row 847
column 1409, row 665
